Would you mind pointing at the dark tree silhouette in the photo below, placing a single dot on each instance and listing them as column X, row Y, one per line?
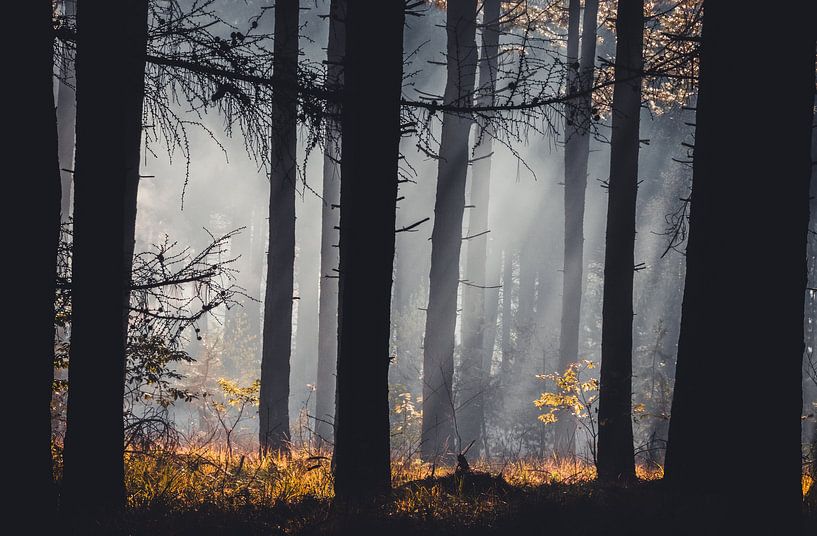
column 277, row 335
column 578, row 120
column 615, row 443
column 743, row 328
column 438, row 432
column 371, row 137
column 110, row 68
column 328, row 306
column 476, row 355
column 32, row 161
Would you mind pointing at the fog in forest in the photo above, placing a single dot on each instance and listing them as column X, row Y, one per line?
column 558, row 256
column 224, row 189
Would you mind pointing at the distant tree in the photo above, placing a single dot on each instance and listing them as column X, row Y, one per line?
column 328, row 306
column 742, row 313
column 438, row 433
column 277, row 334
column 578, row 120
column 249, row 250
column 369, row 166
column 110, row 69
column 32, row 162
column 476, row 355
column 524, row 321
column 615, row 442
column 507, row 309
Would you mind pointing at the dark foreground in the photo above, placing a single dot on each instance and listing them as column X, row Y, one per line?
column 473, row 504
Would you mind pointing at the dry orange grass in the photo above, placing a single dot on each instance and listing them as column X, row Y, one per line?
column 191, row 477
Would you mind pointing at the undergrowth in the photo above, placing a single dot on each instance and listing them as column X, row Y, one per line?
column 214, row 491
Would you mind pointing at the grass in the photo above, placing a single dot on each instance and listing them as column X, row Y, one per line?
column 212, row 491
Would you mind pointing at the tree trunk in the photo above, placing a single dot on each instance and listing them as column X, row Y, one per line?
column 328, row 306
column 742, row 313
column 37, row 184
column 475, row 355
column 577, row 151
column 242, row 323
column 493, row 277
column 371, row 137
column 438, row 434
column 525, row 312
column 66, row 118
column 615, row 440
column 507, row 311
column 277, row 335
column 110, row 87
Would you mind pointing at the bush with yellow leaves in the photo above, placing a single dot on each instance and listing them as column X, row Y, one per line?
column 574, row 395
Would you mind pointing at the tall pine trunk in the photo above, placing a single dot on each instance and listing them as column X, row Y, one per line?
column 371, row 136
column 66, row 118
column 577, row 150
column 36, row 183
column 742, row 313
column 328, row 305
column 475, row 355
column 615, row 441
column 277, row 334
column 110, row 86
column 438, row 434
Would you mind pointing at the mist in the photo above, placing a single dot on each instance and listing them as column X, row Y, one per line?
column 556, row 259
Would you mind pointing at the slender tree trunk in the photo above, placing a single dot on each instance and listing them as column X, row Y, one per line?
column 746, row 273
column 371, row 138
column 328, row 306
column 577, row 151
column 475, row 355
column 525, row 313
column 110, row 86
column 507, row 311
column 34, row 181
column 615, row 441
column 242, row 322
column 438, row 434
column 493, row 277
column 255, row 277
column 66, row 117
column 277, row 335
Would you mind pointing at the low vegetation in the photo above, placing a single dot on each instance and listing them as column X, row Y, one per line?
column 213, row 490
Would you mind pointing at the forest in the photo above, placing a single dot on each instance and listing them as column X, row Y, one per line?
column 421, row 267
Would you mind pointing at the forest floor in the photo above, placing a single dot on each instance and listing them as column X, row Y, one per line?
column 206, row 492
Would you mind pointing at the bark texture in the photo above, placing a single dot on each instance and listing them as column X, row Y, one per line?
column 577, row 151
column 438, row 430
column 277, row 333
column 475, row 364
